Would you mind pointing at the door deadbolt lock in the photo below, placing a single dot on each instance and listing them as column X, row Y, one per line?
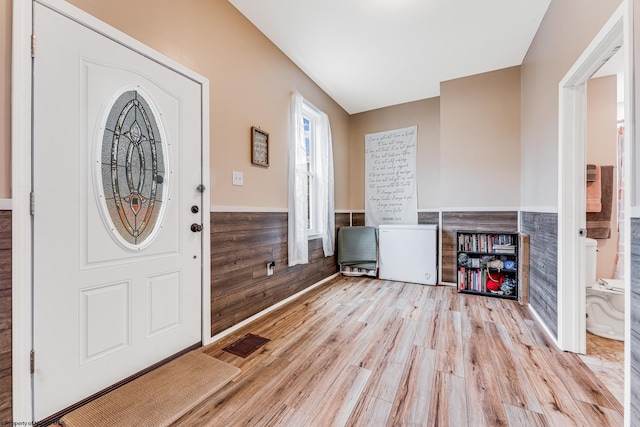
column 195, row 209
column 201, row 188
column 196, row 227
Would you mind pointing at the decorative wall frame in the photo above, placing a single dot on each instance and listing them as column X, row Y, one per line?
column 259, row 147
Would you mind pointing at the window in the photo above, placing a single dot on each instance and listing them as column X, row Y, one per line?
column 314, row 227
column 311, row 211
column 132, row 171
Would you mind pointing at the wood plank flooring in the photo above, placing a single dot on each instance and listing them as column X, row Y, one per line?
column 605, row 357
column 367, row 352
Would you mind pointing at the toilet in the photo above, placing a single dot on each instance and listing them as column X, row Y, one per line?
column 605, row 299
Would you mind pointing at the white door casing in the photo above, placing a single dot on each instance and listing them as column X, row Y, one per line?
column 571, row 179
column 616, row 33
column 104, row 308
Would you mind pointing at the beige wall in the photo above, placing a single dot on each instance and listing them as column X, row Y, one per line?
column 602, row 106
column 215, row 40
column 5, row 105
column 566, row 30
column 426, row 115
column 474, row 125
column 250, row 85
column 480, row 140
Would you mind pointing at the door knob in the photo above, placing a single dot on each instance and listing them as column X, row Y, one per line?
column 196, row 227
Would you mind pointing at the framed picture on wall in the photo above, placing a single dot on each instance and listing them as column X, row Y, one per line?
column 259, row 147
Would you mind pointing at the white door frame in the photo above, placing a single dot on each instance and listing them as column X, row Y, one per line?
column 571, row 178
column 21, row 121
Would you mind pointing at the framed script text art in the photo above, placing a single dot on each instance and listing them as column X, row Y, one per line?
column 259, row 147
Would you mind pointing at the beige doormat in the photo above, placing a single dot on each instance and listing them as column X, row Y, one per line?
column 159, row 397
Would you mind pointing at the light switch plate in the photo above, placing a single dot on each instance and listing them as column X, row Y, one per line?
column 237, row 178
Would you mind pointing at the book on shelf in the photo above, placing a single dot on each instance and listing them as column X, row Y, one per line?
column 472, row 279
column 488, row 243
column 504, row 249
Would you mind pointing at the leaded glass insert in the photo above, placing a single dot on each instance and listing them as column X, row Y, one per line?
column 133, row 168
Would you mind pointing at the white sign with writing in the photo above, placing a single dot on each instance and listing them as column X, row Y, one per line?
column 390, row 177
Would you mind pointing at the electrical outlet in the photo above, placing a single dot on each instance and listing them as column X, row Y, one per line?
column 271, row 266
column 237, row 178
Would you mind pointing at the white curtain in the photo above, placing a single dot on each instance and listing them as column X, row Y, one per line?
column 325, row 187
column 298, row 247
column 298, row 244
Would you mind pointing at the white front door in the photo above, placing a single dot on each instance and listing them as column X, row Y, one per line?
column 116, row 169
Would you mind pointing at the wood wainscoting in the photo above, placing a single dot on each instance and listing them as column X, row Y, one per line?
column 242, row 243
column 357, row 219
column 506, row 221
column 542, row 229
column 428, row 217
column 635, row 322
column 5, row 317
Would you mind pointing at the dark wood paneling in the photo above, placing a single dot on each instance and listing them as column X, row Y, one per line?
column 241, row 246
column 342, row 220
column 635, row 322
column 5, row 317
column 428, row 217
column 423, row 218
column 357, row 219
column 506, row 221
column 5, row 230
column 542, row 229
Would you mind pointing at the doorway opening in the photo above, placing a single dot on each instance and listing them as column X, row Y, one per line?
column 572, row 177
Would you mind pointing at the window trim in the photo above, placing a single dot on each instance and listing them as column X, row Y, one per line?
column 312, row 114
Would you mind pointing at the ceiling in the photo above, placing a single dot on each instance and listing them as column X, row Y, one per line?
column 368, row 54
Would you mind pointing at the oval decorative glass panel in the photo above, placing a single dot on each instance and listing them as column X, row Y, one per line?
column 133, row 168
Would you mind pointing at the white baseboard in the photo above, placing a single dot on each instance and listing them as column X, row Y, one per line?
column 216, row 208
column 481, row 209
column 539, row 209
column 5, row 204
column 267, row 310
column 535, row 314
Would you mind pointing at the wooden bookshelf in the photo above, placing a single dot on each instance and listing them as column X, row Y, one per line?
column 487, row 263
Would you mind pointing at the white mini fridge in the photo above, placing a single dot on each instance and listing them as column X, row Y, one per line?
column 408, row 253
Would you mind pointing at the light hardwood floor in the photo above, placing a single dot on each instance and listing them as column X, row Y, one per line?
column 605, row 357
column 366, row 352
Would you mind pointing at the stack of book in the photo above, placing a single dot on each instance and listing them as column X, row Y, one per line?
column 504, row 249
